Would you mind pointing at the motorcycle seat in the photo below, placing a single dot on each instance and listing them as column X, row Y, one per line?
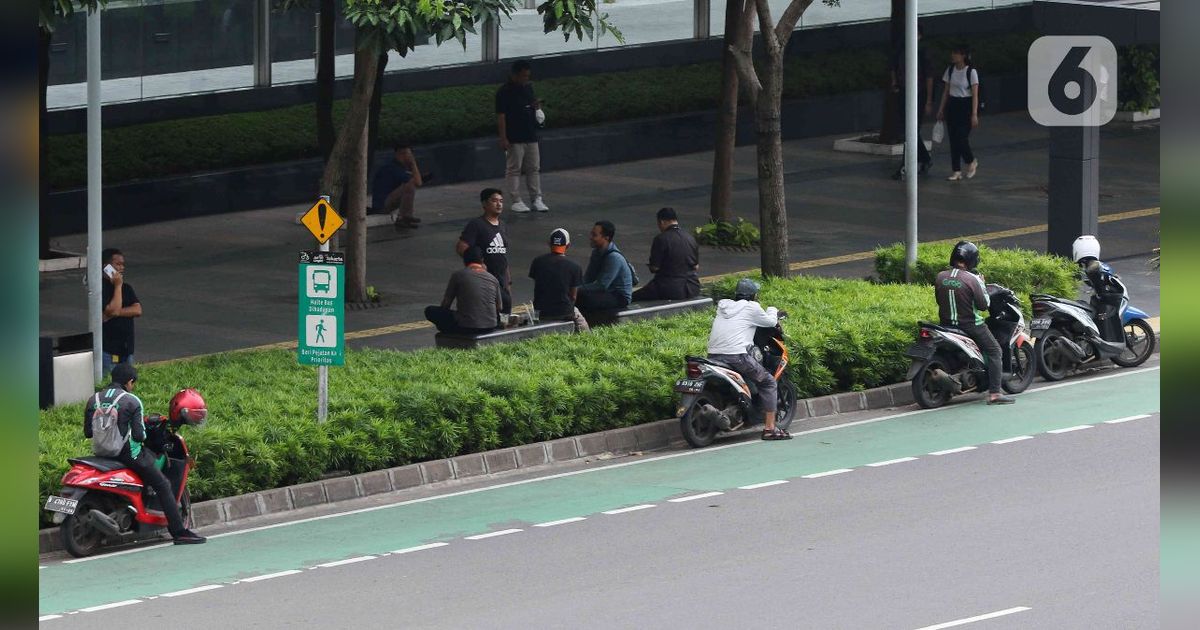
column 949, row 329
column 1080, row 303
column 102, row 464
column 710, row 362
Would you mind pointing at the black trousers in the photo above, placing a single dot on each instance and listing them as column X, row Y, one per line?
column 443, row 319
column 144, row 466
column 591, row 301
column 958, row 127
column 992, row 354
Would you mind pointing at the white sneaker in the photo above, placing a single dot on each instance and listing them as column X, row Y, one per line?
column 520, row 206
column 955, row 177
column 540, row 205
column 971, row 168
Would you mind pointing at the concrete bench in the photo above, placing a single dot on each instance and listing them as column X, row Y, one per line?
column 647, row 310
column 461, row 341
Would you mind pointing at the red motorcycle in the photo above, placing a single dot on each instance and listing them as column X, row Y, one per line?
column 104, row 503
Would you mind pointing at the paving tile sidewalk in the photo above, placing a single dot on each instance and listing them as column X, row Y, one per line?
column 228, row 282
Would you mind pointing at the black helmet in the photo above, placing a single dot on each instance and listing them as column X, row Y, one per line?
column 746, row 289
column 967, row 253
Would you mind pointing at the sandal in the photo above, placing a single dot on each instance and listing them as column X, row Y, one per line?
column 776, row 434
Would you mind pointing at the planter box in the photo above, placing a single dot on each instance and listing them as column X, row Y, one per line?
column 867, row 144
column 1136, row 116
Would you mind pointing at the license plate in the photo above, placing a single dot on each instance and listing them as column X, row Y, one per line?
column 689, row 385
column 61, row 504
column 1040, row 323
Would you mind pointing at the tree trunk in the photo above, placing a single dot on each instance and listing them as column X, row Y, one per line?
column 356, row 238
column 722, row 179
column 891, row 129
column 325, row 77
column 373, row 118
column 772, row 206
column 44, row 217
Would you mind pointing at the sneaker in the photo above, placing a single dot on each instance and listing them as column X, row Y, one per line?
column 1001, row 400
column 540, row 205
column 520, row 206
column 188, row 537
column 956, row 176
column 971, row 168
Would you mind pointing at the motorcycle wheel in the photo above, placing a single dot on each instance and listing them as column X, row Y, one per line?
column 1024, row 365
column 1138, row 332
column 927, row 394
column 785, row 411
column 696, row 430
column 79, row 538
column 1052, row 361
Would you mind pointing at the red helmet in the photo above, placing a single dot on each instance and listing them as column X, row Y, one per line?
column 188, row 407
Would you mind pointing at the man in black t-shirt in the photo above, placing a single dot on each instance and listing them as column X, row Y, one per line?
column 518, row 116
column 674, row 261
column 491, row 237
column 121, row 306
column 556, row 281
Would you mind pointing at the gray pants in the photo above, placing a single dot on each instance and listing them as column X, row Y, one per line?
column 523, row 158
column 753, row 371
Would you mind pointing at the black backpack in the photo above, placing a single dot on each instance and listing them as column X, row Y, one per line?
column 982, row 93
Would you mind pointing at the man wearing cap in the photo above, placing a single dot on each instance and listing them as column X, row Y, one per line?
column 674, row 261
column 478, row 295
column 556, row 281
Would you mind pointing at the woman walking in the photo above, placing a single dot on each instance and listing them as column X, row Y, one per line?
column 960, row 110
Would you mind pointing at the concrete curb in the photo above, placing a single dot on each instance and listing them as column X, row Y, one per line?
column 643, row 437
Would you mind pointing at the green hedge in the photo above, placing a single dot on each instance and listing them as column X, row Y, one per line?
column 208, row 143
column 1024, row 271
column 392, row 408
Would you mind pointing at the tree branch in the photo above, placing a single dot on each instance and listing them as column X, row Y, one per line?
column 791, row 15
column 767, row 27
column 745, row 68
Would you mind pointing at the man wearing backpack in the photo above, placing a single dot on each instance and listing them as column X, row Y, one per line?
column 113, row 420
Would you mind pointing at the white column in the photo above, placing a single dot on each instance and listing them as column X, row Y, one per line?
column 94, row 193
column 911, row 133
column 701, row 19
column 262, row 43
column 490, row 52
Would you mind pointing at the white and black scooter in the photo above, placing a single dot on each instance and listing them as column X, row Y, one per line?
column 946, row 362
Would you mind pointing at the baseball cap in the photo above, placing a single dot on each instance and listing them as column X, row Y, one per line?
column 560, row 238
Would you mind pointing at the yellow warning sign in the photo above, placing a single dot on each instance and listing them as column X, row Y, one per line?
column 322, row 220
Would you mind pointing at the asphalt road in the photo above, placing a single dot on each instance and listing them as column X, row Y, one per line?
column 969, row 511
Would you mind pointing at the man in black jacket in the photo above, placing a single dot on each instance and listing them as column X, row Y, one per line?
column 674, row 261
column 141, row 460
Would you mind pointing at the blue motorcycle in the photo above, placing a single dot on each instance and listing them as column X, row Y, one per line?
column 1072, row 334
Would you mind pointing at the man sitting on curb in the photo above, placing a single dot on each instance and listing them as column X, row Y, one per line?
column 556, row 281
column 478, row 296
column 608, row 283
column 394, row 188
column 674, row 261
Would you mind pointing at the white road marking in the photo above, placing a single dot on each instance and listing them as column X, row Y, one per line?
column 41, row 566
column 694, row 497
column 893, row 461
column 127, row 602
column 573, row 519
column 756, row 486
column 419, row 548
column 585, row 471
column 1013, row 439
column 992, row 615
column 951, row 451
column 48, row 617
column 632, row 508
column 270, row 576
column 329, row 565
column 503, row 532
column 1078, row 427
column 1120, row 420
column 828, row 473
column 198, row 589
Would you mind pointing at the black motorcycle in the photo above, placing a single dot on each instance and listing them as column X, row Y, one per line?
column 717, row 399
column 946, row 362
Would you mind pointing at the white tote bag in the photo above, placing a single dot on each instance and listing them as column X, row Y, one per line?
column 939, row 131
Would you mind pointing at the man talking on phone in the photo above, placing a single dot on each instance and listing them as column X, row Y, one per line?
column 121, row 306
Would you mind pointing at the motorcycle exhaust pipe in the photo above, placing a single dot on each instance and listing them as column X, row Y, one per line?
column 713, row 415
column 103, row 522
column 945, row 382
column 1076, row 352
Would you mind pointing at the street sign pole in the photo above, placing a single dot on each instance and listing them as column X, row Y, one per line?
column 323, row 370
column 911, row 135
column 322, row 287
column 94, row 193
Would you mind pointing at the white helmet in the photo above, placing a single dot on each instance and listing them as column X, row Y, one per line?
column 1085, row 246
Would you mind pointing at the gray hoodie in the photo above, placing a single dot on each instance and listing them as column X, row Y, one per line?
column 735, row 324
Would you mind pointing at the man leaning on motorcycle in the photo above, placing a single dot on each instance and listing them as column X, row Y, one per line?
column 961, row 293
column 732, row 335
column 133, row 454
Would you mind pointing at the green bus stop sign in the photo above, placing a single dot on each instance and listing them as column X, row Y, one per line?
column 322, row 308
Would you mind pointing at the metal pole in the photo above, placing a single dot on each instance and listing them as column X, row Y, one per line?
column 323, row 370
column 94, row 193
column 262, row 43
column 701, row 19
column 911, row 134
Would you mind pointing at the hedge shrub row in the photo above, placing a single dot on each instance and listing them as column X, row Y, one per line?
column 393, row 408
column 208, row 143
column 1022, row 270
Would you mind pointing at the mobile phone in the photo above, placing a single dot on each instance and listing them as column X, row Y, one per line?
column 109, row 270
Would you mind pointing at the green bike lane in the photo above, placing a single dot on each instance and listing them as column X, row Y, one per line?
column 300, row 545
